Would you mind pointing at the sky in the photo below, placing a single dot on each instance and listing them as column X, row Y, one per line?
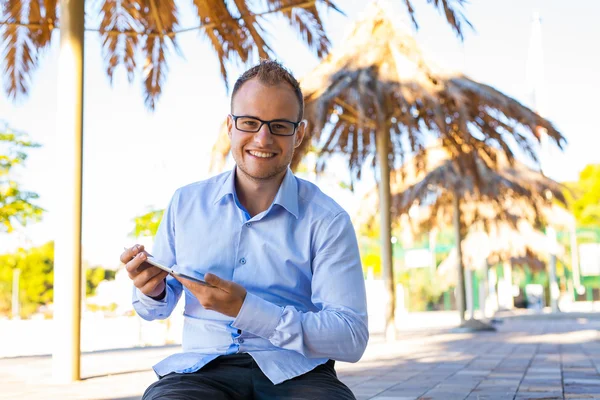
column 135, row 159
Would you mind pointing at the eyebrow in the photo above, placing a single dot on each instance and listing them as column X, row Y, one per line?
column 269, row 120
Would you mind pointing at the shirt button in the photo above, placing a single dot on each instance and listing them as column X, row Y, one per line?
column 241, row 340
column 248, row 224
column 242, row 261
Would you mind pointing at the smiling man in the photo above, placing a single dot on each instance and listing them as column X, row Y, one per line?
column 287, row 295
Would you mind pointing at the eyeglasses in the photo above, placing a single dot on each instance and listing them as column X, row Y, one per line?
column 277, row 127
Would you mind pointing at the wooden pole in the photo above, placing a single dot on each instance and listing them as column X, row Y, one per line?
column 460, row 290
column 386, row 229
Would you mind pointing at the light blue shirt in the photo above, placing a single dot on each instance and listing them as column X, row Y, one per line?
column 298, row 261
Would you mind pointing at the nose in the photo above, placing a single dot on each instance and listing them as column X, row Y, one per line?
column 263, row 137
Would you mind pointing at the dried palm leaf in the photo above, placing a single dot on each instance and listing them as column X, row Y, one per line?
column 507, row 191
column 25, row 34
column 379, row 76
column 451, row 11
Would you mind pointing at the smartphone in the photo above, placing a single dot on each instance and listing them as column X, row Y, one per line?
column 153, row 261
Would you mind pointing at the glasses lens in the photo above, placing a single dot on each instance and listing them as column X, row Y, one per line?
column 282, row 128
column 247, row 124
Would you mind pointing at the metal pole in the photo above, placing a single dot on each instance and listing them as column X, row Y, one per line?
column 67, row 260
column 469, row 295
column 575, row 259
column 553, row 284
column 508, row 284
column 16, row 313
column 432, row 247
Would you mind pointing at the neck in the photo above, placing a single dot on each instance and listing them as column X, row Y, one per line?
column 256, row 195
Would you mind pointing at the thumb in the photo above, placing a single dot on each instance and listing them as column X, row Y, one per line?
column 214, row 280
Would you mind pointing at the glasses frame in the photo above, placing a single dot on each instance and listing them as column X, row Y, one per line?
column 262, row 122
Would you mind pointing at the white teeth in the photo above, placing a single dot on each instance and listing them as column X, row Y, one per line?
column 260, row 154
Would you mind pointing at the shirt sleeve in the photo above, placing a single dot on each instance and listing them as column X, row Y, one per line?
column 164, row 250
column 339, row 329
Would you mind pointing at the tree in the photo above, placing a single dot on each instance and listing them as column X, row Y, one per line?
column 16, row 204
column 36, row 267
column 584, row 197
column 147, row 224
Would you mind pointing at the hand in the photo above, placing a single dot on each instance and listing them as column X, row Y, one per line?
column 226, row 297
column 148, row 278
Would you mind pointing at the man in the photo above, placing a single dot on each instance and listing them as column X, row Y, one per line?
column 288, row 295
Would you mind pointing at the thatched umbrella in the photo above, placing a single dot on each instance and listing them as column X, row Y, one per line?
column 465, row 189
column 148, row 29
column 376, row 97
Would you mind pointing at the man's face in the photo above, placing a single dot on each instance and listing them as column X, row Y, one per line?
column 261, row 155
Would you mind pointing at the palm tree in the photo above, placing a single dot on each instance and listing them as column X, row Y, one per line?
column 468, row 191
column 376, row 97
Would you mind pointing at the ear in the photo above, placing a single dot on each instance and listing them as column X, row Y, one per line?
column 229, row 125
column 300, row 132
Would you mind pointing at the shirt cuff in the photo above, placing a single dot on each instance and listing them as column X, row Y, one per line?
column 258, row 316
column 149, row 301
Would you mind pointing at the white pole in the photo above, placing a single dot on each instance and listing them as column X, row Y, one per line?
column 508, row 284
column 469, row 293
column 67, row 260
column 580, row 289
column 432, row 246
column 554, row 290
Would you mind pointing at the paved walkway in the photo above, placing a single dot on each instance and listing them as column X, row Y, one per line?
column 530, row 357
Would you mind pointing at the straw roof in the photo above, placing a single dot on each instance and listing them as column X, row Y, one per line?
column 379, row 82
column 146, row 31
column 507, row 194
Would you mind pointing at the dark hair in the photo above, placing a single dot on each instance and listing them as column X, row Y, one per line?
column 271, row 72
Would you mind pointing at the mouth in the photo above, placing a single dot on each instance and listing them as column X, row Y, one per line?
column 261, row 154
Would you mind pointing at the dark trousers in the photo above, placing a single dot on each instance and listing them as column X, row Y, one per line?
column 237, row 376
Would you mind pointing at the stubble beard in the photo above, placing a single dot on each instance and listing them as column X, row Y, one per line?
column 268, row 174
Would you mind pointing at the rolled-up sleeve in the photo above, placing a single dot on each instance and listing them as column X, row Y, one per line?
column 339, row 329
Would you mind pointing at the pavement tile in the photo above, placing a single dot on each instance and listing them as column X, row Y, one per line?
column 581, row 397
column 406, row 393
column 443, row 396
column 587, row 382
column 542, row 388
column 539, row 396
column 500, row 382
column 394, row 398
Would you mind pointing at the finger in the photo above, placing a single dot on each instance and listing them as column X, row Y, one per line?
column 192, row 286
column 133, row 266
column 214, row 280
column 154, row 282
column 131, row 252
column 145, row 275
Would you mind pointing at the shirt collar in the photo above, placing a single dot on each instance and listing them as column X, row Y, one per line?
column 227, row 187
column 287, row 195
